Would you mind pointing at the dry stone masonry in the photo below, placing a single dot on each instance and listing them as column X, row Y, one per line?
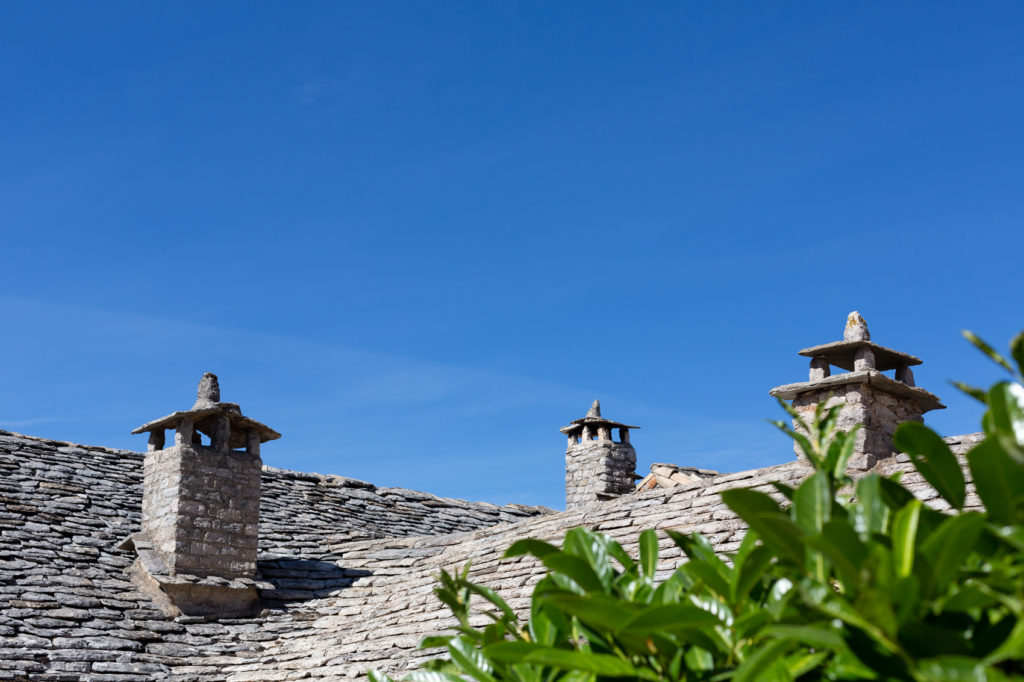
column 339, row 574
column 597, row 468
column 869, row 399
column 201, row 507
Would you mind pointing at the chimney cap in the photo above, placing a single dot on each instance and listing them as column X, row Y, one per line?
column 204, row 414
column 594, row 418
column 841, row 354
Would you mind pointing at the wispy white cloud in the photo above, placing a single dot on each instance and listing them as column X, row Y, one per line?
column 387, row 418
column 22, row 423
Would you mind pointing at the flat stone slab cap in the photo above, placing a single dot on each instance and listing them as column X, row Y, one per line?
column 577, row 424
column 204, row 420
column 593, row 417
column 841, row 354
column 927, row 401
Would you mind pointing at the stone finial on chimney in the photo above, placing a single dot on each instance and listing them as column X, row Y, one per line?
column 200, row 507
column 856, row 328
column 208, row 393
column 868, row 397
column 596, row 466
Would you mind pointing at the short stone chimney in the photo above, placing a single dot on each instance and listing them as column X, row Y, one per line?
column 201, row 505
column 875, row 401
column 596, row 466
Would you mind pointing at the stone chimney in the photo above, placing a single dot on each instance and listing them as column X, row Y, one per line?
column 200, row 507
column 875, row 401
column 596, row 466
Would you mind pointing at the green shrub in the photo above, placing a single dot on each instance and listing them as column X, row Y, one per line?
column 843, row 581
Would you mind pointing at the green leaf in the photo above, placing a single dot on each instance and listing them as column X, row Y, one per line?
column 820, row 635
column 1017, row 351
column 434, row 641
column 704, row 564
column 493, row 597
column 699, row 547
column 973, row 391
column 669, row 617
column 541, row 628
column 871, row 513
column 1006, row 413
column 803, row 662
column 863, row 634
column 998, row 479
column 537, row 548
column 747, row 545
column 599, row 611
column 713, row 605
column 751, row 623
column 750, row 572
column 648, row 553
column 616, row 551
column 451, row 600
column 904, row 538
column 934, row 460
column 968, row 598
column 794, row 413
column 576, row 569
column 893, row 494
column 787, row 491
column 433, row 676
column 779, row 595
column 470, row 660
column 958, row 669
column 766, row 518
column 812, row 504
column 839, row 453
column 1011, row 535
column 839, row 543
column 564, row 659
column 669, row 591
column 593, row 548
column 801, row 440
column 764, row 656
column 988, row 350
column 705, row 571
column 949, row 545
column 699, row 659
column 1011, row 647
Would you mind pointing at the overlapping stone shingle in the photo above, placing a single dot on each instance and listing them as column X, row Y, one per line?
column 352, row 566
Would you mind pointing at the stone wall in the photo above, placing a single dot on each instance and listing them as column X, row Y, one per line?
column 598, row 470
column 878, row 412
column 201, row 509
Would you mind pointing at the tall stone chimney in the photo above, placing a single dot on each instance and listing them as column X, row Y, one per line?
column 596, row 467
column 200, row 507
column 875, row 401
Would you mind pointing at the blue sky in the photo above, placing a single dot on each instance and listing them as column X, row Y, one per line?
column 417, row 238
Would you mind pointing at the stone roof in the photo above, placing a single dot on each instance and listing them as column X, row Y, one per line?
column 337, row 601
column 69, row 612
